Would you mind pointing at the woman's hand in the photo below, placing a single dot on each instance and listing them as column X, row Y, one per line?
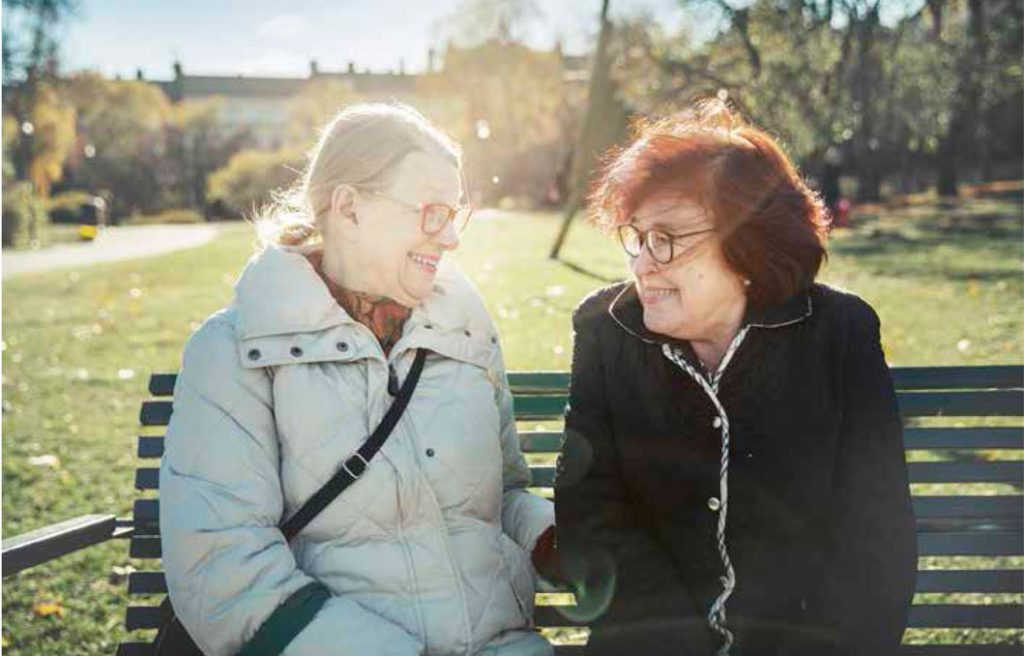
column 543, row 555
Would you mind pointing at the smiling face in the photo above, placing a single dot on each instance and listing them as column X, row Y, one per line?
column 696, row 296
column 382, row 248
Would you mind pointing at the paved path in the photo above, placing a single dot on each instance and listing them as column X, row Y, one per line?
column 113, row 244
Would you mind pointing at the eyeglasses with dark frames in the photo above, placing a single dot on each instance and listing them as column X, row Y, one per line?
column 660, row 244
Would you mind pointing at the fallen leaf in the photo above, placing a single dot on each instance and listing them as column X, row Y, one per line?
column 47, row 608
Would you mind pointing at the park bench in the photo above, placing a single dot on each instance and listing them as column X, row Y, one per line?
column 968, row 417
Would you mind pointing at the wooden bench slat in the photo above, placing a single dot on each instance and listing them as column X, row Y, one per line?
column 971, row 543
column 987, row 437
column 970, row 580
column 135, row 649
column 142, row 617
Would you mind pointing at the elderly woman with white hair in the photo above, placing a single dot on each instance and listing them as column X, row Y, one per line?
column 348, row 307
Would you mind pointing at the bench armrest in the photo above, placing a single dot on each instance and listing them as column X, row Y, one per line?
column 49, row 542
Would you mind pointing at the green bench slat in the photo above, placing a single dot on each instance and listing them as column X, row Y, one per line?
column 966, row 581
column 151, row 446
column 964, row 616
column 974, row 507
column 996, row 471
column 1001, row 437
column 960, row 650
column 922, row 616
column 964, row 439
column 162, row 384
column 147, row 583
column 971, row 543
column 147, row 511
column 540, row 442
column 994, row 403
column 539, row 382
column 142, row 617
column 148, row 478
column 905, row 378
column 968, row 377
column 970, row 580
column 145, row 547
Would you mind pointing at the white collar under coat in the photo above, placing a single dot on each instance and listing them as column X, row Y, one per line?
column 286, row 315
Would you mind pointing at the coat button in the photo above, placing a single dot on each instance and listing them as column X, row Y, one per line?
column 467, row 333
column 430, row 453
column 494, row 340
column 714, row 504
column 428, row 326
column 296, row 351
column 717, row 423
column 254, row 354
column 342, row 346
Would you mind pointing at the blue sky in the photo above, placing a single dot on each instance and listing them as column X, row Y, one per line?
column 264, row 37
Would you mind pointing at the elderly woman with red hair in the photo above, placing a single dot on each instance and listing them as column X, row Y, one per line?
column 733, row 479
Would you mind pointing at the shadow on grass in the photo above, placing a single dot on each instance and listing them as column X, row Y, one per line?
column 957, row 246
column 588, row 273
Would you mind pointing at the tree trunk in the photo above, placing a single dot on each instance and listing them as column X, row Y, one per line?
column 603, row 124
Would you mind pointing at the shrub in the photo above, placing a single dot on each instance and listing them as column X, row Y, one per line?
column 250, row 176
column 175, row 216
column 24, row 215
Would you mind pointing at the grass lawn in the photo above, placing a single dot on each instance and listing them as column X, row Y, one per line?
column 78, row 346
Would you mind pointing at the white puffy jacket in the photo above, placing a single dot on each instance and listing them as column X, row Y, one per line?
column 427, row 553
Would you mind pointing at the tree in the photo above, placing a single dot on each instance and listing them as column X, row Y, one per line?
column 121, row 125
column 30, row 65
column 510, row 109
column 603, row 124
column 318, row 102
column 197, row 144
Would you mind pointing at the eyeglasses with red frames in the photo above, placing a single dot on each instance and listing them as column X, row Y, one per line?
column 434, row 217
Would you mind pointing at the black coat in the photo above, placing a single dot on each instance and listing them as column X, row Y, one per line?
column 819, row 525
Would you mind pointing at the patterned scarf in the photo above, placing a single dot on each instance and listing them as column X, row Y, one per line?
column 383, row 316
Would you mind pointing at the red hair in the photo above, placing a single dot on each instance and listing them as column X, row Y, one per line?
column 773, row 226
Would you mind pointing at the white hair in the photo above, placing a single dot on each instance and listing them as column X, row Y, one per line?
column 361, row 146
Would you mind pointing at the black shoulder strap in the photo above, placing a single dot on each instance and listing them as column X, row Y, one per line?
column 356, row 465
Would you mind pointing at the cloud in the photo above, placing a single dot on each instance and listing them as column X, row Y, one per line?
column 276, row 61
column 283, row 26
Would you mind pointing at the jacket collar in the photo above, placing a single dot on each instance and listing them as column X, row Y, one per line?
column 628, row 313
column 279, row 292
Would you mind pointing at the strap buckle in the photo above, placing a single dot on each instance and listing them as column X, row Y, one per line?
column 356, row 459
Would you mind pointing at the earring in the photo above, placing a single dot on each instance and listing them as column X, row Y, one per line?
column 746, row 282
